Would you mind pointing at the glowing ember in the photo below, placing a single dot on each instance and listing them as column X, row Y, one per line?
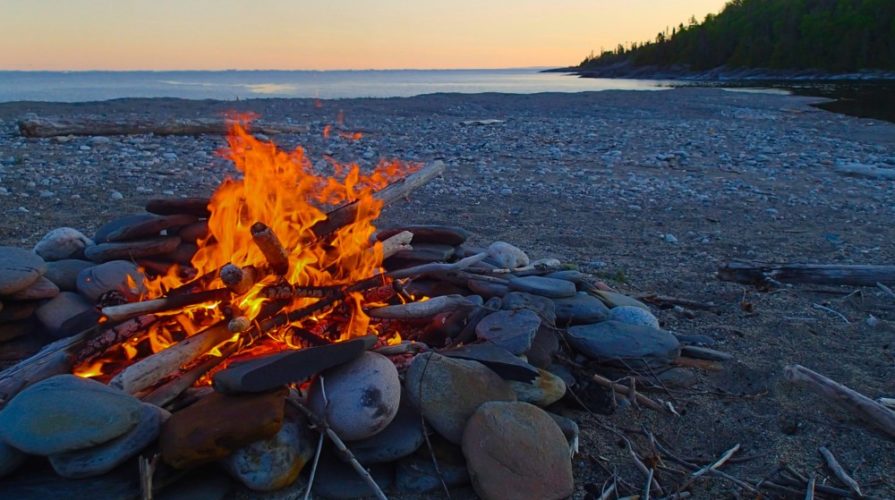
column 279, row 189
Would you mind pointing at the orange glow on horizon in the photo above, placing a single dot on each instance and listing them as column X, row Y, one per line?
column 363, row 34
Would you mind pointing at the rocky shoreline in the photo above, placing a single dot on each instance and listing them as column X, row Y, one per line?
column 649, row 191
column 678, row 72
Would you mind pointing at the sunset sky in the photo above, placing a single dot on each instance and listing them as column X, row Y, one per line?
column 295, row 34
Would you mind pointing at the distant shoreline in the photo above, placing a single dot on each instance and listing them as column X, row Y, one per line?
column 722, row 74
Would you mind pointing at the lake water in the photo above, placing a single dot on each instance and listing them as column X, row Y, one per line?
column 229, row 85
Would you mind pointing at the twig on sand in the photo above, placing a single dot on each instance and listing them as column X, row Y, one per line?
column 809, row 490
column 651, row 482
column 886, row 289
column 839, row 471
column 645, row 401
column 648, row 486
column 711, row 467
column 319, row 445
column 147, row 470
column 832, row 311
column 324, row 428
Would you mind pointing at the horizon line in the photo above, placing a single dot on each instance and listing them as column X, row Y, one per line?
column 96, row 70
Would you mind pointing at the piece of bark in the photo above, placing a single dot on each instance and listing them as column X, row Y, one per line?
column 35, row 126
column 820, row 274
column 854, row 402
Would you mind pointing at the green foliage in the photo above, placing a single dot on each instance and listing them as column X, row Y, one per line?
column 833, row 35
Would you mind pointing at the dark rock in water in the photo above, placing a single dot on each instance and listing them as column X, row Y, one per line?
column 416, row 474
column 274, row 463
column 40, row 289
column 512, row 330
column 16, row 329
column 194, row 232
column 62, row 243
column 16, row 311
column 581, row 309
column 10, row 459
column 66, row 413
column 403, row 436
column 183, row 254
column 276, row 370
column 448, row 391
column 362, row 396
column 444, row 235
column 131, row 250
column 576, row 277
column 102, row 234
column 544, row 345
column 218, row 424
column 498, row 359
column 64, row 273
column 633, row 315
column 516, row 450
column 487, row 289
column 105, row 457
column 338, row 480
column 19, row 268
column 43, row 482
column 197, row 207
column 628, row 345
column 426, row 252
column 139, row 226
column 113, row 275
column 434, row 288
column 545, row 287
column 541, row 305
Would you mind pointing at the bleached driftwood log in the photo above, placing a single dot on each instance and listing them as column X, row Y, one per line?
column 820, row 274
column 36, row 126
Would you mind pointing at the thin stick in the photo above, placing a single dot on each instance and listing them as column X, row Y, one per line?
column 718, row 463
column 648, row 486
column 319, row 444
column 645, row 401
column 147, row 470
column 647, row 471
column 839, row 471
column 886, row 289
column 809, row 490
column 832, row 311
column 607, row 493
column 134, row 309
column 323, row 427
column 271, row 247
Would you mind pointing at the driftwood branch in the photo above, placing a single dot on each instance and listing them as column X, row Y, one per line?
column 839, row 471
column 620, row 388
column 133, row 309
column 35, row 126
column 396, row 243
column 425, row 309
column 856, row 403
column 113, row 336
column 238, row 279
column 169, row 391
column 820, row 274
column 271, row 247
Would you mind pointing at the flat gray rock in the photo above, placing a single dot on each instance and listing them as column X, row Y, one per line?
column 545, row 307
column 19, row 268
column 498, row 359
column 10, row 459
column 105, row 457
column 633, row 315
column 66, row 413
column 403, row 436
column 512, row 330
column 94, row 281
column 131, row 250
column 546, row 287
column 581, row 309
column 623, row 344
column 62, row 243
column 576, row 277
column 64, row 273
column 429, row 233
column 487, row 289
column 40, row 289
column 138, row 226
column 63, row 307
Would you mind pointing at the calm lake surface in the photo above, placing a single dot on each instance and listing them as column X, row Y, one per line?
column 85, row 86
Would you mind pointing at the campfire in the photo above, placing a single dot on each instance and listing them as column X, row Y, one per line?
column 224, row 330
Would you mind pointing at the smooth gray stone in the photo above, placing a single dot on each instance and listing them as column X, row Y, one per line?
column 139, row 226
column 16, row 329
column 487, row 289
column 65, row 413
column 336, row 479
column 276, row 370
column 61, row 308
column 131, row 250
column 64, row 273
column 426, row 252
column 19, row 268
column 100, row 459
column 543, row 346
column 416, row 474
column 576, row 277
column 94, row 281
column 102, row 234
column 546, row 287
column 62, row 243
column 545, row 307
column 274, row 463
column 498, row 359
column 40, row 289
column 512, row 330
column 622, row 344
column 10, row 459
column 403, row 436
column 428, row 233
column 581, row 309
column 615, row 299
column 434, row 288
column 633, row 315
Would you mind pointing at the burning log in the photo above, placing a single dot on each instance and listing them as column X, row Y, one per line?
column 97, row 345
column 419, row 310
column 130, row 310
column 169, row 391
column 270, row 246
column 238, row 279
column 34, row 126
column 345, row 214
column 820, row 274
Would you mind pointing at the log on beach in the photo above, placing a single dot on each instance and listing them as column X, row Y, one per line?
column 819, row 274
column 36, row 126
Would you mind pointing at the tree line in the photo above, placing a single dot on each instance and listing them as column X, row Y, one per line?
column 832, row 35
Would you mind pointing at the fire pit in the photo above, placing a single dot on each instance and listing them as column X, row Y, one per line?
column 227, row 330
